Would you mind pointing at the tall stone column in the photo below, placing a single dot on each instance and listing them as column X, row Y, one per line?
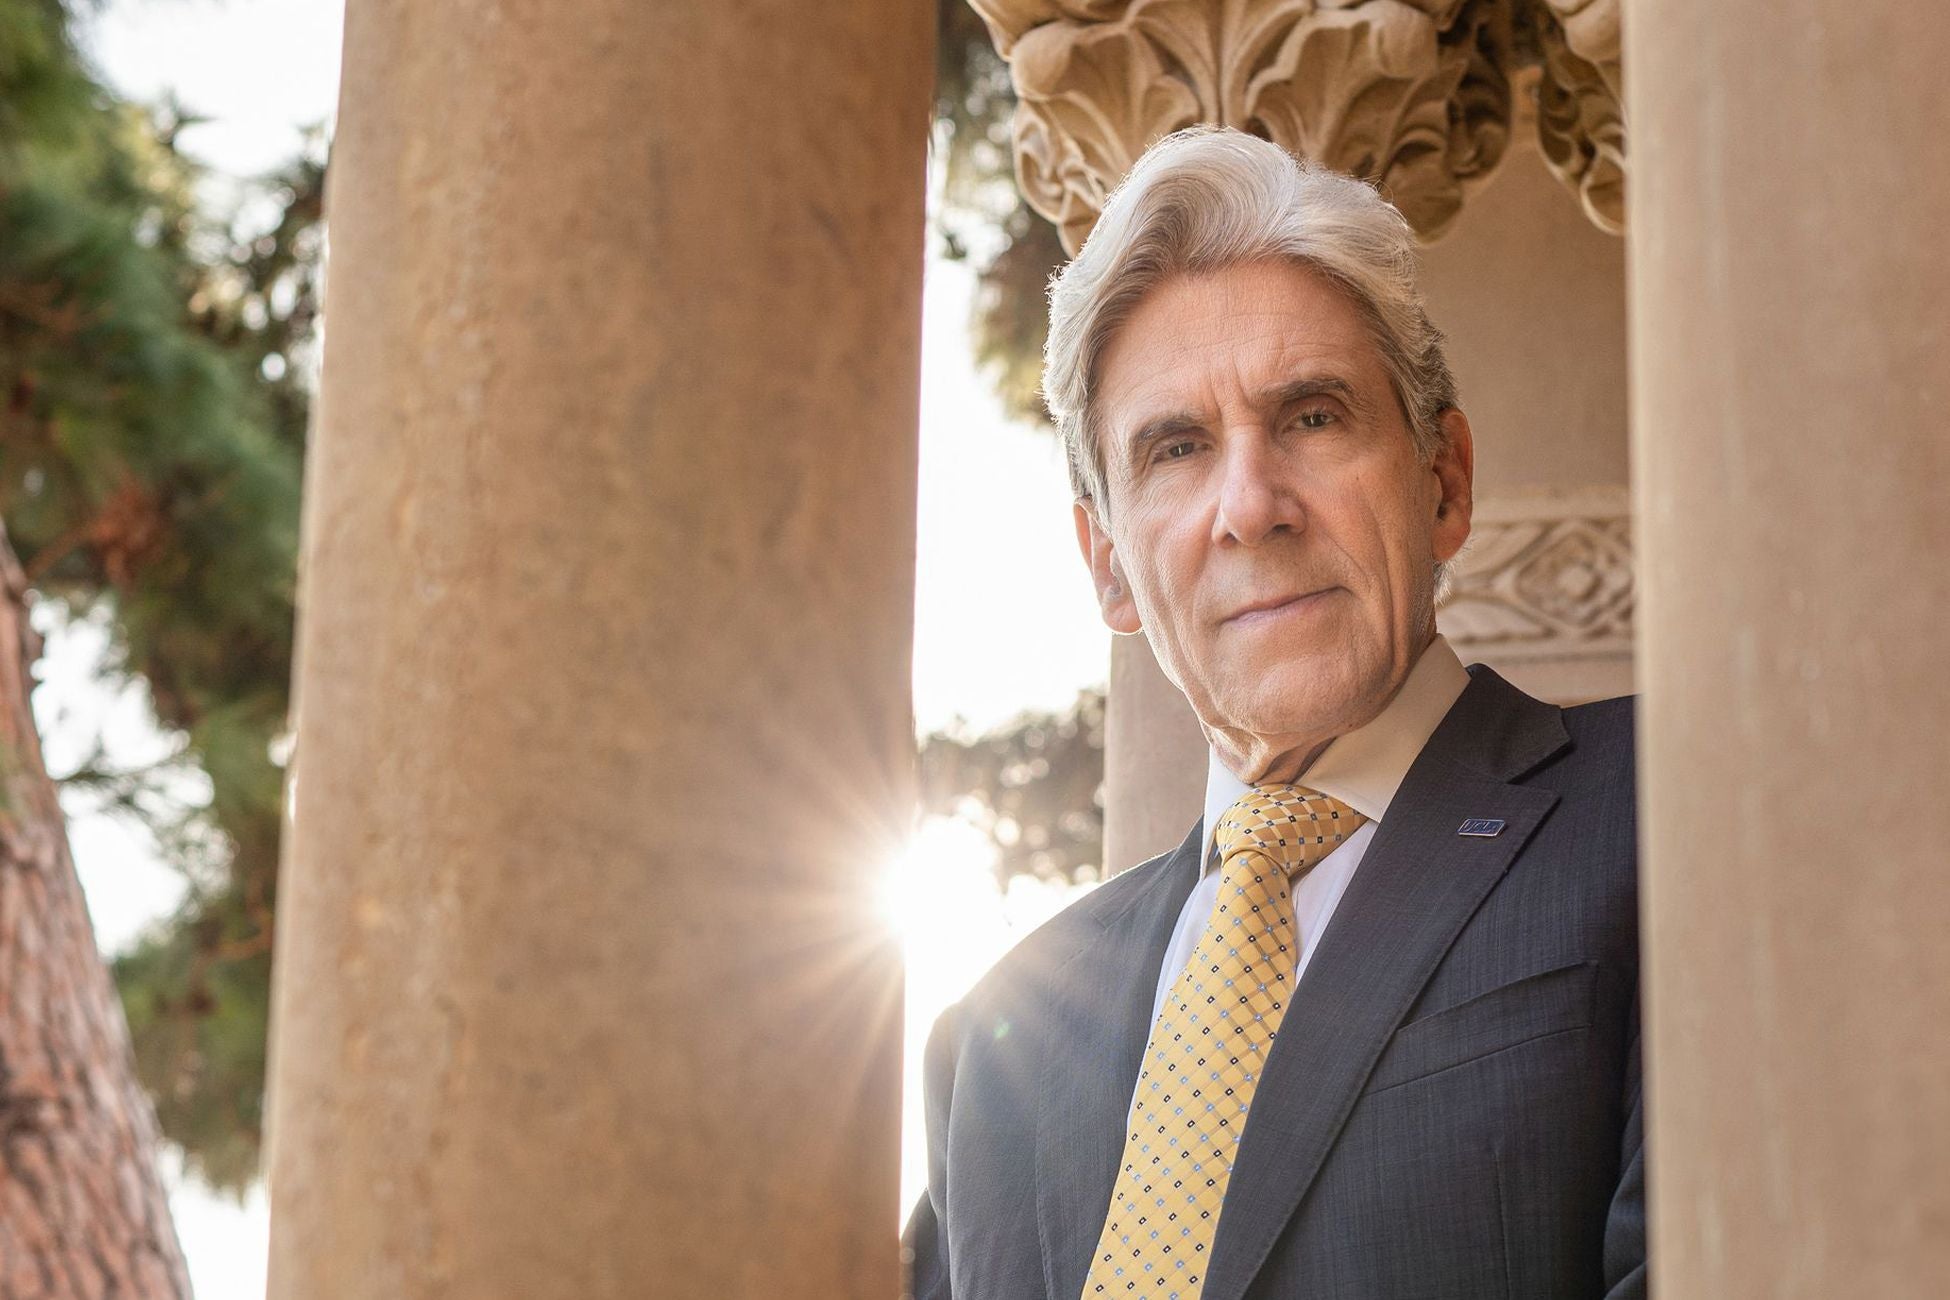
column 1154, row 758
column 602, row 718
column 1791, row 370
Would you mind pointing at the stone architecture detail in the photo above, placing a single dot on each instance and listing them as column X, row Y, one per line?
column 1580, row 104
column 1415, row 95
column 1546, row 576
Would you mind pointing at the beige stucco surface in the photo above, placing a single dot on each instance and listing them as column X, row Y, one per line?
column 1792, row 363
column 602, row 720
column 1531, row 299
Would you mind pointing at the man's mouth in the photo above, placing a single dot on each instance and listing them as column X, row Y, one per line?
column 1276, row 607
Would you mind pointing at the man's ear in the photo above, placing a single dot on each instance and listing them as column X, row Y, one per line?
column 1454, row 467
column 1114, row 600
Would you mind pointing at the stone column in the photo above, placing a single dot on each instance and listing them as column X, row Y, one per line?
column 1154, row 758
column 602, row 719
column 1791, row 370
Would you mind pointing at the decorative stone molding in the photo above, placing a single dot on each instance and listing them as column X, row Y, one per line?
column 1580, row 108
column 1546, row 576
column 1412, row 94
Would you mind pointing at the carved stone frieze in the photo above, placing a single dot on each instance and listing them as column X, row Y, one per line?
column 1412, row 94
column 1546, row 576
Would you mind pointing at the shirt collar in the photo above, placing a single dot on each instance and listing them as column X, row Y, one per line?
column 1364, row 768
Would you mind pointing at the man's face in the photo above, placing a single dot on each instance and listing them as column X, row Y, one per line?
column 1270, row 526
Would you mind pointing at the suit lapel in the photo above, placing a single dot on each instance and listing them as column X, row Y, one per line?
column 1099, row 1021
column 1416, row 888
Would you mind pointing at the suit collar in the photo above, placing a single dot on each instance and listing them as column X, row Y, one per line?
column 1499, row 730
column 1417, row 887
column 1366, row 767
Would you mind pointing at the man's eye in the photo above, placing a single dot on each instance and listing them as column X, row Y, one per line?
column 1315, row 419
column 1178, row 450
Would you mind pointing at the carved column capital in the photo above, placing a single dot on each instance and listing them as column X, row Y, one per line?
column 1414, row 95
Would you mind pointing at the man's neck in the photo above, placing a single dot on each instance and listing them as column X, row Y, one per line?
column 1365, row 768
column 1263, row 759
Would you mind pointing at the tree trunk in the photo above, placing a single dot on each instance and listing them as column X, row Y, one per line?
column 82, row 1210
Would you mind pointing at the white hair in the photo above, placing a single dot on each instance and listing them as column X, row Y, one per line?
column 1206, row 198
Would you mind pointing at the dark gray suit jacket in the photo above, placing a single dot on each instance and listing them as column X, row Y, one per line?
column 1451, row 1109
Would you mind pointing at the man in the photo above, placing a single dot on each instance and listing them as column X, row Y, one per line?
column 1372, row 1029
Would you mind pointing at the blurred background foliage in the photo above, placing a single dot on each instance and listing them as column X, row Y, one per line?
column 1035, row 786
column 156, row 353
column 152, row 419
column 983, row 216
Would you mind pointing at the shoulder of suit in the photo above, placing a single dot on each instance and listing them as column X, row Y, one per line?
column 1600, row 763
column 1032, row 956
column 1610, row 723
column 1100, row 902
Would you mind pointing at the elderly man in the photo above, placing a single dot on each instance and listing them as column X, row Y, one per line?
column 1372, row 1029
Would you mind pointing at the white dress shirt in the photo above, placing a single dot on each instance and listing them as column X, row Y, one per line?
column 1363, row 769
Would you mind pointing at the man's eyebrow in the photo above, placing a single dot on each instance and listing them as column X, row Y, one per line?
column 1299, row 390
column 1159, row 427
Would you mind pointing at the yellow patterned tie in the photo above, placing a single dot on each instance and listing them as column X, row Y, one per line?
column 1208, row 1047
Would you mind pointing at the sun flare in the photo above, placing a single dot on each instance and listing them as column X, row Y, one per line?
column 954, row 918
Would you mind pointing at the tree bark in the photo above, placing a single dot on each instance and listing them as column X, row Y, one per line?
column 82, row 1210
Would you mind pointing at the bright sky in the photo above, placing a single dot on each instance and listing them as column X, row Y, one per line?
column 1003, row 620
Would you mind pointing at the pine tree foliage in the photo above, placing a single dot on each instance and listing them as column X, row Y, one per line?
column 151, row 427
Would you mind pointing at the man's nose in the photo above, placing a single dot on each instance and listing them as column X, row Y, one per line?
column 1256, row 495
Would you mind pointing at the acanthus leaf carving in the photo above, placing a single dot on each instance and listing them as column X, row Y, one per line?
column 1090, row 99
column 1580, row 109
column 1366, row 90
column 1415, row 95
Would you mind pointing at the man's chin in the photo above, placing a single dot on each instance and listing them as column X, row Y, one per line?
column 1302, row 699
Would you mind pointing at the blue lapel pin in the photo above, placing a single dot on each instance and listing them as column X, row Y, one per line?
column 1484, row 826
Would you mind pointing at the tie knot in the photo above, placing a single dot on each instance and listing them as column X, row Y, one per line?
column 1291, row 824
